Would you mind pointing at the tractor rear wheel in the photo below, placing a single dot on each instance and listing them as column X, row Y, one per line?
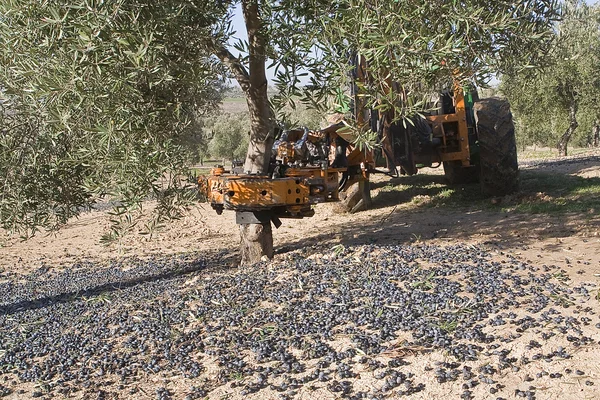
column 499, row 170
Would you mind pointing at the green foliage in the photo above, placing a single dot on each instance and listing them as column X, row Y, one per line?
column 411, row 48
column 541, row 99
column 229, row 135
column 301, row 116
column 99, row 99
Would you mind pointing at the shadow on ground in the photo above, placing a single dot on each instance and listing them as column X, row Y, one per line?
column 89, row 281
column 422, row 207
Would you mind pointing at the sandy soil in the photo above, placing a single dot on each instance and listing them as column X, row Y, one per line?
column 569, row 241
column 549, row 237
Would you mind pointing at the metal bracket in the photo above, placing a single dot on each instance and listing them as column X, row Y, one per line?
column 256, row 217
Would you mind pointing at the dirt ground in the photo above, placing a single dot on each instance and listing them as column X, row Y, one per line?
column 547, row 238
column 570, row 241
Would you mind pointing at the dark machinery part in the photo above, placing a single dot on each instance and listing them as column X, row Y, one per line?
column 310, row 167
column 300, row 175
column 499, row 169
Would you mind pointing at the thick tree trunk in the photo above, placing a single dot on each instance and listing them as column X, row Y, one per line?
column 256, row 240
column 564, row 139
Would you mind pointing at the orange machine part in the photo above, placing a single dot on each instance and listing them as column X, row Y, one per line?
column 301, row 188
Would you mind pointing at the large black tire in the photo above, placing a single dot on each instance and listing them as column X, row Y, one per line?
column 455, row 173
column 499, row 170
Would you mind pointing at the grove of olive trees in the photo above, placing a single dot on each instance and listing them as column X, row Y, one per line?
column 97, row 94
column 559, row 104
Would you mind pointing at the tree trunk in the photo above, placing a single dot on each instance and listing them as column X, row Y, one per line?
column 595, row 139
column 564, row 139
column 261, row 115
column 256, row 240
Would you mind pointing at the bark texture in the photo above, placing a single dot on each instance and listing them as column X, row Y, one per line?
column 356, row 198
column 261, row 115
column 573, row 124
column 256, row 242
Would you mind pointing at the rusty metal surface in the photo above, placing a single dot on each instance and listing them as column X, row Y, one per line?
column 454, row 132
column 290, row 196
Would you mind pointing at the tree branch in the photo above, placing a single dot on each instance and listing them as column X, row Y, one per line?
column 234, row 64
column 257, row 45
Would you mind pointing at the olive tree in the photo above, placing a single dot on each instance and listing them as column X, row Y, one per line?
column 98, row 101
column 106, row 80
column 229, row 135
column 409, row 48
column 551, row 103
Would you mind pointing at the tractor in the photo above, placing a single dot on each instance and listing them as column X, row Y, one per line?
column 473, row 139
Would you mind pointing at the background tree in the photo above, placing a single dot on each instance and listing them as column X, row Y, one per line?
column 196, row 142
column 552, row 104
column 106, row 68
column 229, row 136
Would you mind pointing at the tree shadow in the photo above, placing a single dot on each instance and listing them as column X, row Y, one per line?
column 405, row 189
column 425, row 207
column 568, row 166
column 116, row 278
